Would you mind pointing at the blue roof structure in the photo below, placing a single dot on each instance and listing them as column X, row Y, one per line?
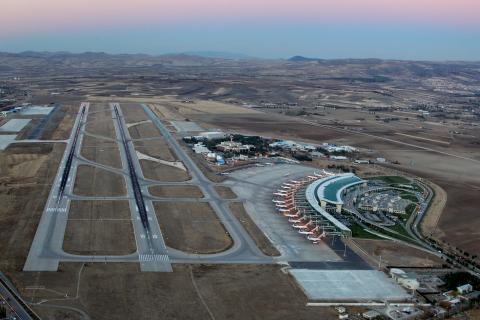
column 329, row 189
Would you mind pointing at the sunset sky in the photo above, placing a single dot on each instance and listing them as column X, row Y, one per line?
column 399, row 29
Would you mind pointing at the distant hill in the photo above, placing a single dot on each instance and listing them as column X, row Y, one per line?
column 218, row 55
column 302, row 59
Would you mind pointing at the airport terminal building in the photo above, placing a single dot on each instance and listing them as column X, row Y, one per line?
column 325, row 195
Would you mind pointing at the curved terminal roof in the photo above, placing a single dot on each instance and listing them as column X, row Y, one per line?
column 312, row 200
column 329, row 189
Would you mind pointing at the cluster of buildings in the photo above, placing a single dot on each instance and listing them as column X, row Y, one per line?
column 333, row 148
column 208, row 135
column 236, row 147
column 292, row 146
column 211, row 156
column 385, row 202
column 224, row 152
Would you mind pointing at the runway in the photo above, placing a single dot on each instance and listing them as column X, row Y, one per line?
column 46, row 249
column 153, row 255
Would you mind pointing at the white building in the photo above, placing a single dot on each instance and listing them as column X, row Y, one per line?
column 200, row 148
column 466, row 288
column 211, row 135
column 405, row 279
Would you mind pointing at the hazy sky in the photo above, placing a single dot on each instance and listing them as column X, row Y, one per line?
column 400, row 29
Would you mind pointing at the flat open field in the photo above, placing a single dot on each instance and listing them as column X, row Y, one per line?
column 257, row 235
column 99, row 228
column 157, row 148
column 61, row 123
column 92, row 181
column 395, row 254
column 99, row 237
column 267, row 125
column 102, row 151
column 133, row 112
column 100, row 123
column 99, row 210
column 176, row 191
column 225, row 192
column 191, row 227
column 162, row 172
column 144, row 130
column 120, row 291
column 204, row 106
column 26, row 175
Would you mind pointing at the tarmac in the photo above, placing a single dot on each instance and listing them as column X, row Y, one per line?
column 348, row 285
column 15, row 125
column 46, row 250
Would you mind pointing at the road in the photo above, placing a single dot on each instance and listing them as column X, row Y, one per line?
column 244, row 249
column 316, row 124
column 13, row 302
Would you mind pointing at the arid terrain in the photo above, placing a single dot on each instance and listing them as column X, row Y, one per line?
column 422, row 117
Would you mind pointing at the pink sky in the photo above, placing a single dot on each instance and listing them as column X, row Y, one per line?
column 28, row 17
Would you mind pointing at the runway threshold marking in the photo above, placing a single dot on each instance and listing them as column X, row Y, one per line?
column 153, row 257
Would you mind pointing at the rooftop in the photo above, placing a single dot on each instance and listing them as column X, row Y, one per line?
column 329, row 189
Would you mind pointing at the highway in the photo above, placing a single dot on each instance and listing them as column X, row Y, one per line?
column 13, row 302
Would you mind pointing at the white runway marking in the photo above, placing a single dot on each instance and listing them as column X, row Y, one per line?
column 153, row 257
column 56, row 209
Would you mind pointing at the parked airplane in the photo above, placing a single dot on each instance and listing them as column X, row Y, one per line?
column 299, row 219
column 303, row 226
column 319, row 238
column 294, row 215
column 313, row 231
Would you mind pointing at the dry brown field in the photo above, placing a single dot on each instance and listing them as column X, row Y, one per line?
column 162, row 172
column 133, row 112
column 121, row 291
column 176, row 191
column 101, row 151
column 93, row 181
column 225, row 192
column 238, row 210
column 144, row 130
column 157, row 148
column 192, row 227
column 100, row 123
column 26, row 175
column 395, row 254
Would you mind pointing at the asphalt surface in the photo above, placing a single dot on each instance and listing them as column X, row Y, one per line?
column 13, row 302
column 153, row 255
column 151, row 249
column 46, row 248
column 46, row 251
column 244, row 249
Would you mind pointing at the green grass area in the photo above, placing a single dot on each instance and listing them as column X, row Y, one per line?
column 393, row 179
column 400, row 229
column 410, row 208
column 417, row 187
column 359, row 232
column 408, row 196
